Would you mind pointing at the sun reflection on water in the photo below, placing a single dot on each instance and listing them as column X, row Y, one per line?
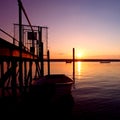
column 79, row 66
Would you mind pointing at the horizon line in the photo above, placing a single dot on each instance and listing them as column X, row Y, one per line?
column 83, row 59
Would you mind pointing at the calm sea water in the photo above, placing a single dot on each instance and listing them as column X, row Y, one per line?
column 94, row 96
column 97, row 87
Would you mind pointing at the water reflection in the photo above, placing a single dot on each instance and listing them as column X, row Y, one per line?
column 79, row 66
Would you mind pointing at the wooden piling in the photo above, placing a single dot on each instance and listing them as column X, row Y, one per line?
column 74, row 65
column 48, row 60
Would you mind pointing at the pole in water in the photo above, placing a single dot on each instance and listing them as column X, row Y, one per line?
column 74, row 65
column 48, row 60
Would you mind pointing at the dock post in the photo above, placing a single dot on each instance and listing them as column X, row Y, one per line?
column 48, row 60
column 20, row 46
column 41, row 51
column 74, row 65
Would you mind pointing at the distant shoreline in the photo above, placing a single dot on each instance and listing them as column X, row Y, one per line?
column 84, row 60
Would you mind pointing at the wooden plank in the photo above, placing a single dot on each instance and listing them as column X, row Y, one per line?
column 11, row 50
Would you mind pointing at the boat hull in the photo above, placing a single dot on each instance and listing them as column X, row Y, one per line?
column 55, row 84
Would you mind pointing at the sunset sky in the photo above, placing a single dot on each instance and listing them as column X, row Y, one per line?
column 92, row 27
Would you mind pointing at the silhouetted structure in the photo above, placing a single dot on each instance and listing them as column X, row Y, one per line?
column 18, row 89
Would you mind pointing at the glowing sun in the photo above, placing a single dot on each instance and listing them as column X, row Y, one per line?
column 79, row 54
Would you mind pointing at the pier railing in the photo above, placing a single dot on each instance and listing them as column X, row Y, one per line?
column 18, row 59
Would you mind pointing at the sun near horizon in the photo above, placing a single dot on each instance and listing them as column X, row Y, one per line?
column 79, row 54
column 82, row 54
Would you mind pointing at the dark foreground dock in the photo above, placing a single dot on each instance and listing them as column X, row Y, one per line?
column 45, row 99
column 50, row 107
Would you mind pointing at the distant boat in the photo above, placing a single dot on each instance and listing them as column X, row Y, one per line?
column 104, row 61
column 68, row 61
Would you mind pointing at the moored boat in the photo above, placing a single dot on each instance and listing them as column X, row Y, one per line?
column 68, row 61
column 55, row 84
column 104, row 61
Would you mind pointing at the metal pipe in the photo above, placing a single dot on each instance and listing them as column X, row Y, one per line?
column 20, row 45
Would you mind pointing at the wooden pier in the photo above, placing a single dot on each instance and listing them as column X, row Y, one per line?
column 22, row 93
